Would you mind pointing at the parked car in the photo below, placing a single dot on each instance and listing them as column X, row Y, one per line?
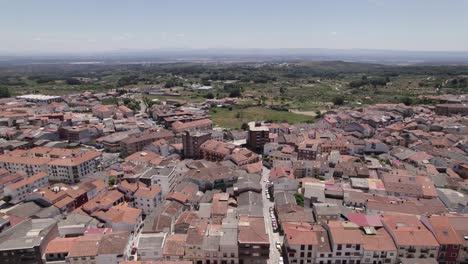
column 278, row 245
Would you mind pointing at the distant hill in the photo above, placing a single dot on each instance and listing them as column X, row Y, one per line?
column 389, row 57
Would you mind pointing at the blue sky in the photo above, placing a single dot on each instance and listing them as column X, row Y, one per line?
column 107, row 25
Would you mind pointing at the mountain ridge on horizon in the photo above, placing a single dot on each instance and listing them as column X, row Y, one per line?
column 244, row 54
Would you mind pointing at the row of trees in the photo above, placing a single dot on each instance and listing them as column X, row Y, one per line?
column 234, row 90
column 127, row 80
column 173, row 83
column 365, row 81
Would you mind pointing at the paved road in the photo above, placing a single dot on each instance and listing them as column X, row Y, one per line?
column 134, row 242
column 274, row 253
column 142, row 107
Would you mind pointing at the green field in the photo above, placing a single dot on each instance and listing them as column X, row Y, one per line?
column 303, row 86
column 226, row 118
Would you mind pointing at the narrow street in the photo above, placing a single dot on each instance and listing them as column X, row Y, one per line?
column 274, row 237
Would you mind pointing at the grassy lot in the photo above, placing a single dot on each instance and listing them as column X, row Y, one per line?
column 234, row 118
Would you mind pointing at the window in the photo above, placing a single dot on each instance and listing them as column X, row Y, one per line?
column 339, row 247
column 338, row 253
column 309, row 247
column 358, row 247
column 302, row 247
column 348, row 245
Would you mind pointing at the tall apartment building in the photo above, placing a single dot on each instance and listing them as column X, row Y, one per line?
column 254, row 243
column 307, row 151
column 60, row 164
column 71, row 170
column 191, row 142
column 165, row 177
column 147, row 198
column 29, row 165
column 258, row 136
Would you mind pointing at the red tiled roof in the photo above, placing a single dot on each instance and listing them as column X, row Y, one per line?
column 300, row 234
column 407, row 230
column 60, row 245
column 364, row 220
column 27, row 181
column 148, row 192
column 252, row 230
column 175, row 245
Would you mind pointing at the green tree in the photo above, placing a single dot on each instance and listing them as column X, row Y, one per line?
column 245, row 126
column 235, row 93
column 299, row 199
column 209, row 95
column 407, row 101
column 148, row 102
column 112, row 180
column 127, row 80
column 338, row 100
column 109, row 101
column 4, row 92
column 318, row 114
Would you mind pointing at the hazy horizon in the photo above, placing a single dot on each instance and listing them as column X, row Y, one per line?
column 55, row 27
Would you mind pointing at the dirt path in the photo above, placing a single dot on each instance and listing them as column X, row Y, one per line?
column 307, row 113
